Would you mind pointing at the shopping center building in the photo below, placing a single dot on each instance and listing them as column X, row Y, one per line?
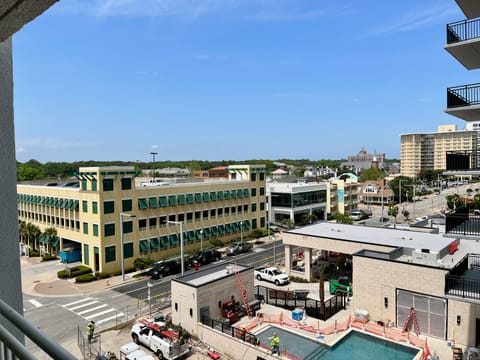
column 109, row 209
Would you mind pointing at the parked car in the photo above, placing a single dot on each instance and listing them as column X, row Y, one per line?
column 206, row 256
column 271, row 274
column 165, row 268
column 239, row 248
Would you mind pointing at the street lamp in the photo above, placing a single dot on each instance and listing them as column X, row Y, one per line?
column 269, row 220
column 413, row 199
column 121, row 241
column 400, row 191
column 201, row 240
column 181, row 242
column 149, row 286
column 153, row 153
column 241, row 232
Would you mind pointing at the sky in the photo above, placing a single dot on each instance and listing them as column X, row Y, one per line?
column 231, row 79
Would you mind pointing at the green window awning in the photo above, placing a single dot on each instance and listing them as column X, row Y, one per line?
column 190, row 199
column 191, row 236
column 246, row 193
column 227, row 194
column 233, row 194
column 64, row 204
column 221, row 229
column 153, row 202
column 172, row 200
column 142, row 204
column 198, row 197
column 214, row 230
column 246, row 224
column 143, row 245
column 41, row 239
column 235, row 227
column 220, row 195
column 76, row 204
column 239, row 193
column 206, row 196
column 58, row 201
column 173, row 239
column 154, row 243
column 163, row 201
column 181, row 199
column 213, row 195
column 206, row 233
column 228, row 228
column 164, row 241
column 55, row 241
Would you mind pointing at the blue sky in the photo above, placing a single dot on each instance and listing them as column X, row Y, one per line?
column 231, row 79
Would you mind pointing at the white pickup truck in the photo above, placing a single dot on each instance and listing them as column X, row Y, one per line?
column 164, row 342
column 271, row 274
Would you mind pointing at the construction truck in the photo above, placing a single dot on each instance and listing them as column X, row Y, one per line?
column 164, row 342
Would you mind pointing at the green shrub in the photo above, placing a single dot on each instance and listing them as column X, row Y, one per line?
column 62, row 274
column 74, row 272
column 298, row 279
column 85, row 278
column 49, row 257
column 142, row 263
column 33, row 253
column 102, row 275
column 216, row 242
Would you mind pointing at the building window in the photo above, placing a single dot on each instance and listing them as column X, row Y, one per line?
column 127, row 227
column 95, row 229
column 84, row 185
column 254, row 191
column 152, row 222
column 127, row 205
column 85, row 206
column 110, row 254
column 128, row 250
column 233, row 210
column 205, row 214
column 254, row 207
column 245, row 208
column 86, row 258
column 227, row 211
column 142, row 224
column 163, row 221
column 262, row 176
column 126, row 183
column 189, row 217
column 94, row 185
column 212, row 213
column 262, row 191
column 94, row 207
column 239, row 209
column 254, row 223
column 108, row 207
column 109, row 229
column 220, row 212
column 262, row 222
column 85, row 228
column 107, row 184
column 198, row 216
column 181, row 217
column 262, row 206
column 253, row 177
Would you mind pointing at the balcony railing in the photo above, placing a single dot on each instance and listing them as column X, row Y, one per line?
column 12, row 348
column 463, row 30
column 464, row 279
column 465, row 95
column 461, row 222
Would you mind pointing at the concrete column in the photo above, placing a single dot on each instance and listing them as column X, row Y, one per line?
column 288, row 259
column 10, row 275
column 307, row 258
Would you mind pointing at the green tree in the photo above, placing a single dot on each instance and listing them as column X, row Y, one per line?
column 372, row 174
column 406, row 214
column 50, row 233
column 343, row 219
column 33, row 232
column 405, row 185
column 393, row 211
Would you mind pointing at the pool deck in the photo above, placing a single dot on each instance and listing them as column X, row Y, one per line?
column 309, row 327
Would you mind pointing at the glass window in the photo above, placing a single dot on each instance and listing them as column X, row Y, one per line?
column 127, row 205
column 253, row 177
column 107, row 184
column 262, row 222
column 254, row 223
column 128, row 250
column 108, row 207
column 126, row 183
column 109, row 229
column 94, row 185
column 308, row 198
column 110, row 254
column 85, row 206
column 262, row 176
column 94, row 207
column 254, row 191
column 95, row 229
column 254, row 207
column 86, row 258
column 262, row 191
column 262, row 206
column 127, row 227
column 85, row 228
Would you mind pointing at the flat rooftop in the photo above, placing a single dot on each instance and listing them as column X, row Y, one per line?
column 375, row 236
column 211, row 273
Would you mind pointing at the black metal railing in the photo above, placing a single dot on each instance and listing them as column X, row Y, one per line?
column 226, row 328
column 462, row 222
column 457, row 283
column 291, row 300
column 463, row 30
column 464, row 95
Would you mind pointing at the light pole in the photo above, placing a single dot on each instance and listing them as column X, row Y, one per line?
column 413, row 199
column 149, row 286
column 241, row 232
column 269, row 220
column 400, row 191
column 121, row 241
column 181, row 243
column 153, row 153
column 201, row 240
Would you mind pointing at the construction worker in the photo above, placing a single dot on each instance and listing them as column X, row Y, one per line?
column 275, row 343
column 90, row 330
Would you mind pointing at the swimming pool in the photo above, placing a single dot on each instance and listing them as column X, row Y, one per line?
column 355, row 345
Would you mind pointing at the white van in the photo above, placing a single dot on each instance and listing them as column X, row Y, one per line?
column 357, row 215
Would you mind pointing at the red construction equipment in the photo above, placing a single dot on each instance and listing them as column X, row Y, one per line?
column 411, row 314
column 170, row 334
column 243, row 293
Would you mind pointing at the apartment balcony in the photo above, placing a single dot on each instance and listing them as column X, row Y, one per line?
column 463, row 281
column 471, row 8
column 463, row 42
column 464, row 102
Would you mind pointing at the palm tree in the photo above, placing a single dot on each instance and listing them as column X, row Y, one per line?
column 321, row 283
column 50, row 233
column 22, row 230
column 33, row 232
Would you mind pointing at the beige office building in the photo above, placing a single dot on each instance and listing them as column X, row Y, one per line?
column 428, row 151
column 89, row 217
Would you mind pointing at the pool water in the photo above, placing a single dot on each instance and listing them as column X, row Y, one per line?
column 355, row 345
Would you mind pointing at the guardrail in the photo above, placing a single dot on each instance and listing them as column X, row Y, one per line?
column 463, row 30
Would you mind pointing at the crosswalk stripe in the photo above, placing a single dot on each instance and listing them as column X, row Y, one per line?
column 77, row 302
column 83, row 305
column 91, row 309
column 99, row 314
column 35, row 303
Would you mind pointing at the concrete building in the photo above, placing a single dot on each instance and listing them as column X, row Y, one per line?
column 428, row 151
column 363, row 160
column 395, row 270
column 108, row 209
